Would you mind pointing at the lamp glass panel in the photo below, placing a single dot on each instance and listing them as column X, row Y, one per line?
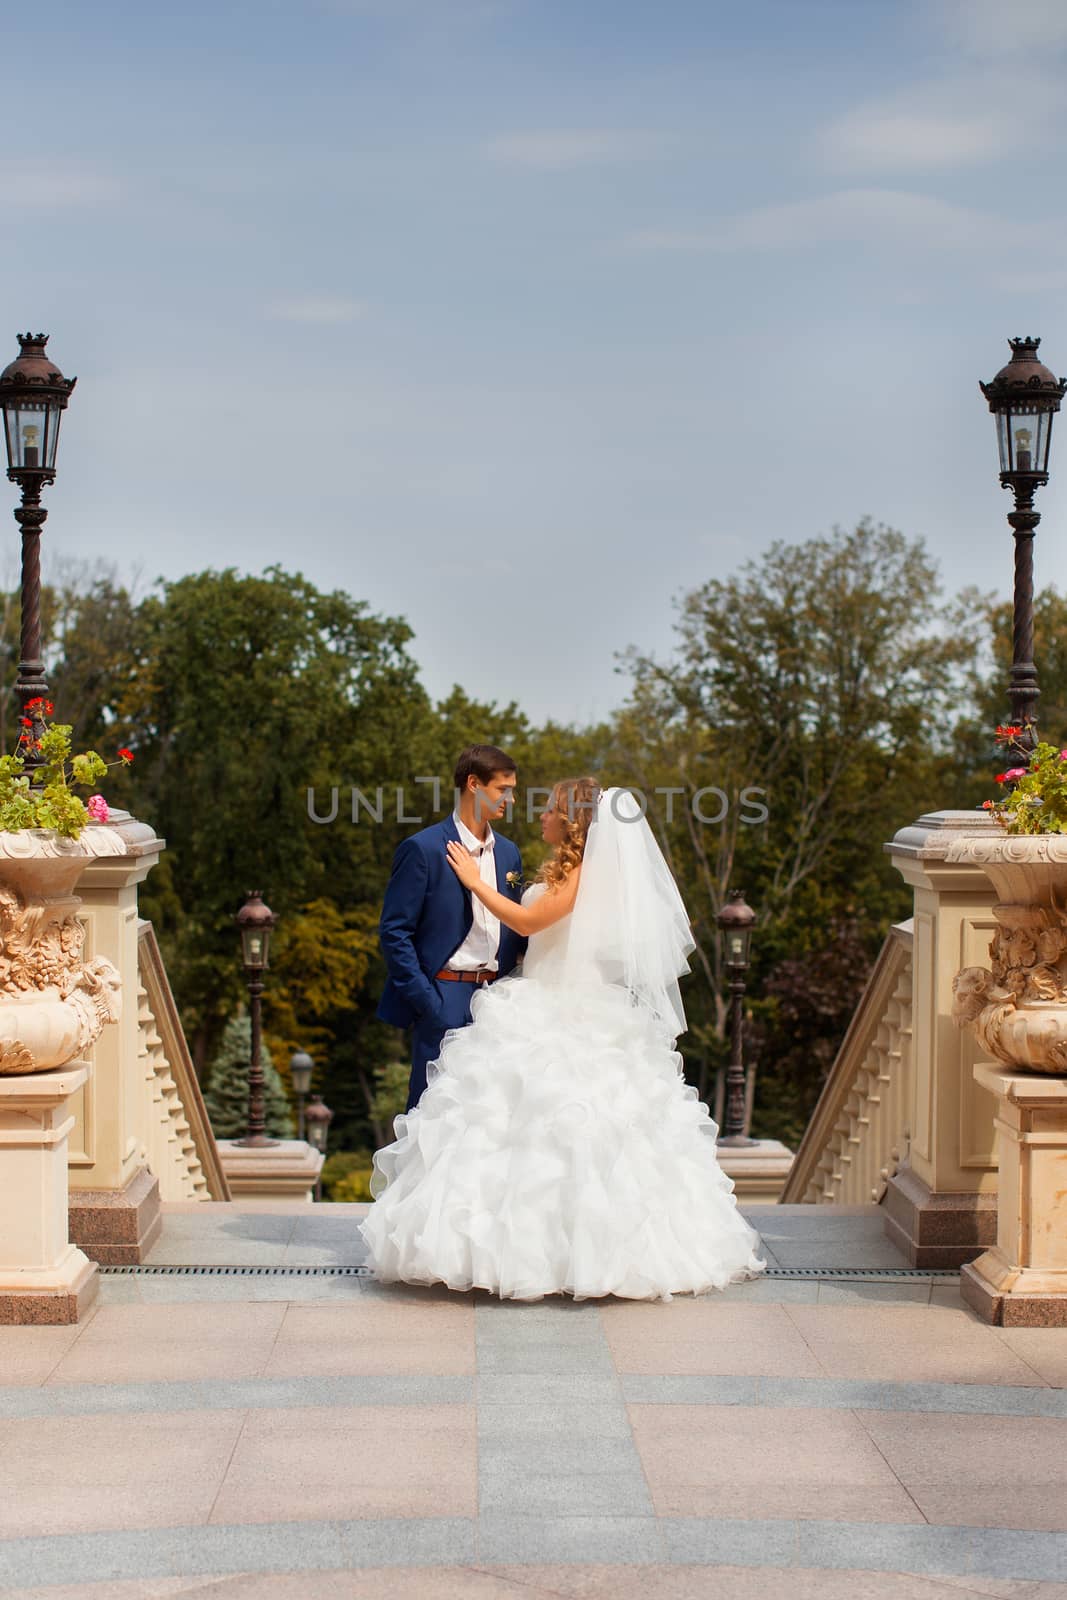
column 1024, row 440
column 737, row 944
column 32, row 432
column 1003, row 436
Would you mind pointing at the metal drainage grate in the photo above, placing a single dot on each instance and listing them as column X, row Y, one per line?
column 141, row 1269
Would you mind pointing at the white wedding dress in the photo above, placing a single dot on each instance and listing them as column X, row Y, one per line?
column 558, row 1149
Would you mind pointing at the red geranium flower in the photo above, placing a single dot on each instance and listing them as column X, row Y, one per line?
column 126, row 755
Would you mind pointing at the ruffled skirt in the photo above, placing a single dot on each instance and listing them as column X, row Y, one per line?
column 557, row 1149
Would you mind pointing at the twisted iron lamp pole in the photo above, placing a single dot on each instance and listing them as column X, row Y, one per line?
column 1024, row 397
column 736, row 921
column 33, row 397
column 255, row 920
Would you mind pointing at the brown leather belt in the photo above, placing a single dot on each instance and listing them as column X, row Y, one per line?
column 480, row 976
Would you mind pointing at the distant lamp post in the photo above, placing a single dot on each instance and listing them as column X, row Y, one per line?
column 33, row 397
column 736, row 921
column 318, row 1118
column 255, row 921
column 300, row 1069
column 1024, row 397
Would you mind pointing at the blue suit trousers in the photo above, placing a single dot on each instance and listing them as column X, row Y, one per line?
column 427, row 1032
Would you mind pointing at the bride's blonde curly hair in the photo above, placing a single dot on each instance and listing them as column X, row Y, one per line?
column 575, row 799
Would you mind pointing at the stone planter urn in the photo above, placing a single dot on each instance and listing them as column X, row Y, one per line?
column 53, row 1003
column 1017, row 1006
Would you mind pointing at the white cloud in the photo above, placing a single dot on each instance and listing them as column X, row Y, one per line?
column 55, row 188
column 888, row 217
column 916, row 140
column 562, row 148
column 1006, row 27
column 317, row 308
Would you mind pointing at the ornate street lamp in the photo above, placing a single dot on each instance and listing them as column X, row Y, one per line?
column 255, row 921
column 736, row 920
column 300, row 1069
column 318, row 1117
column 1024, row 397
column 33, row 398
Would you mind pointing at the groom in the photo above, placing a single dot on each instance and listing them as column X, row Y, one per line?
column 439, row 941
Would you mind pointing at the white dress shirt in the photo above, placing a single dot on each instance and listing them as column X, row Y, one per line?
column 479, row 948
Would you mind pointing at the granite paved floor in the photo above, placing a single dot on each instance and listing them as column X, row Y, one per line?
column 281, row 1434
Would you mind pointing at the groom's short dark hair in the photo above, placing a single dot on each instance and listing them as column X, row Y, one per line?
column 481, row 761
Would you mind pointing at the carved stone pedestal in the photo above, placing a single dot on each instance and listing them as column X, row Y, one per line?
column 115, row 1204
column 43, row 1277
column 1022, row 1280
column 940, row 1205
column 759, row 1170
column 287, row 1170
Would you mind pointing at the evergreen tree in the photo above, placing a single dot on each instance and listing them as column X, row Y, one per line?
column 226, row 1095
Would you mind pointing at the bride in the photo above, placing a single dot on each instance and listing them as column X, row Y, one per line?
column 557, row 1147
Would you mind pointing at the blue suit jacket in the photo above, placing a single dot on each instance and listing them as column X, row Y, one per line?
column 426, row 916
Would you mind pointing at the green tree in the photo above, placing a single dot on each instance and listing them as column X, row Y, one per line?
column 226, row 1095
column 826, row 675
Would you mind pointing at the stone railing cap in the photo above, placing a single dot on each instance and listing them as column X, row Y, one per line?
column 932, row 835
column 95, row 839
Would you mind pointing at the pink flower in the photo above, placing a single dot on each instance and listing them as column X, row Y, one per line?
column 1063, row 755
column 96, row 806
column 1020, row 772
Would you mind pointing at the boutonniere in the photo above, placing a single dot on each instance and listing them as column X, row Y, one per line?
column 514, row 880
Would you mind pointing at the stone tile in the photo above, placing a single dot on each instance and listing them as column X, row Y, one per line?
column 116, row 1323
column 771, row 1291
column 145, row 1343
column 902, row 1293
column 158, row 1552
column 573, row 1582
column 534, row 1422
column 241, row 1394
column 996, row 1553
column 1043, row 1349
column 558, row 1494
column 377, row 1355
column 209, row 1222
column 846, row 1252
column 372, row 1337
column 538, row 1324
column 216, row 1250
column 536, row 1357
column 518, row 1540
column 699, row 1337
column 352, row 1462
column 324, row 1253
column 546, row 1389
column 29, row 1355
column 822, row 1222
column 311, row 1324
column 747, row 1461
column 909, row 1343
column 978, row 1471
column 105, row 1473
column 570, row 1455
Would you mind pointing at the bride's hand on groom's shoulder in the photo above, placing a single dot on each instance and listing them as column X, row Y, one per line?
column 463, row 864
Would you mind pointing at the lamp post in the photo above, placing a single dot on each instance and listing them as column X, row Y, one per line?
column 318, row 1117
column 736, row 920
column 33, row 397
column 300, row 1069
column 255, row 921
column 1024, row 397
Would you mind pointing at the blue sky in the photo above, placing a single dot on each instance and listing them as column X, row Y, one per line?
column 520, row 317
